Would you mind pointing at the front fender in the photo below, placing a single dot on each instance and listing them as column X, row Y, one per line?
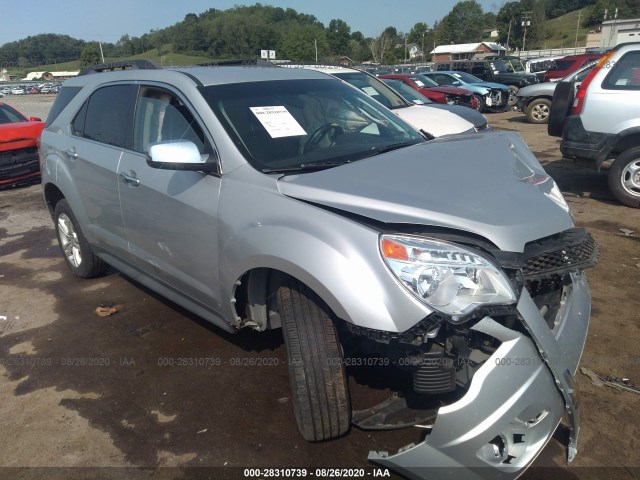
column 335, row 256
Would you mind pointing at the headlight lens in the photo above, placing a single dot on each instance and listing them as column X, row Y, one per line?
column 446, row 276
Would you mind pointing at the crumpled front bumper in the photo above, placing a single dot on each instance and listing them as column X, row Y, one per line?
column 515, row 400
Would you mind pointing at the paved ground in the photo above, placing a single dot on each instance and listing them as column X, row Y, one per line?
column 142, row 388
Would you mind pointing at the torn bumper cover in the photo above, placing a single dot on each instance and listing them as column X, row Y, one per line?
column 515, row 400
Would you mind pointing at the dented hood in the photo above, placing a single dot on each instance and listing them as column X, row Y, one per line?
column 19, row 131
column 489, row 184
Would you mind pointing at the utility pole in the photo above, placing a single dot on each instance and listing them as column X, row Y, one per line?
column 509, row 35
column 526, row 21
column 577, row 28
column 423, row 56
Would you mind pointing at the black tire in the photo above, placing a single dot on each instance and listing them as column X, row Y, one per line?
column 624, row 177
column 316, row 369
column 480, row 100
column 513, row 99
column 560, row 105
column 538, row 110
column 75, row 249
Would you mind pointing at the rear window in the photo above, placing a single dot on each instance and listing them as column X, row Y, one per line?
column 65, row 95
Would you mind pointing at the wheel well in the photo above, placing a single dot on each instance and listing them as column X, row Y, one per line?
column 625, row 143
column 541, row 97
column 255, row 301
column 52, row 195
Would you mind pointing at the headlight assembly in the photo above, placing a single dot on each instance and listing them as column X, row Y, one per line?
column 447, row 277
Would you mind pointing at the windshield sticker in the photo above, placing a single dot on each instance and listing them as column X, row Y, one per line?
column 419, row 83
column 370, row 91
column 278, row 122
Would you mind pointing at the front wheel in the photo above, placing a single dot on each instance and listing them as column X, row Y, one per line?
column 480, row 100
column 538, row 110
column 76, row 250
column 624, row 177
column 513, row 95
column 316, row 369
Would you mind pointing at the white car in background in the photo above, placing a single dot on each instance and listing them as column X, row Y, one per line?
column 433, row 121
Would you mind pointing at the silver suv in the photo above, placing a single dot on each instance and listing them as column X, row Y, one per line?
column 602, row 120
column 271, row 198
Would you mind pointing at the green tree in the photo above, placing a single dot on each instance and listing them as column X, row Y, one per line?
column 463, row 24
column 90, row 55
column 299, row 43
column 338, row 36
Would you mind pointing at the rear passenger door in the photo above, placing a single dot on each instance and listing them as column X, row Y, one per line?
column 170, row 216
column 100, row 132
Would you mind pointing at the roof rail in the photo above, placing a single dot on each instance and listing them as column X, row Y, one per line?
column 135, row 64
column 256, row 62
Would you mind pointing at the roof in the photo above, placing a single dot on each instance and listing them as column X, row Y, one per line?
column 214, row 75
column 466, row 47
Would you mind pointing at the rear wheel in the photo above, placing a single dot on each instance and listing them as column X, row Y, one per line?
column 76, row 250
column 624, row 177
column 316, row 368
column 538, row 110
column 562, row 100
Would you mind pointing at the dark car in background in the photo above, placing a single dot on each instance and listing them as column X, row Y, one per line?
column 19, row 164
column 435, row 92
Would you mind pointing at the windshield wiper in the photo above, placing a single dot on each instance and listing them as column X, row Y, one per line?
column 305, row 167
column 396, row 146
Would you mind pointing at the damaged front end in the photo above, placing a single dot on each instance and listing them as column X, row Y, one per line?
column 499, row 371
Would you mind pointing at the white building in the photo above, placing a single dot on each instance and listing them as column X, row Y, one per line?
column 617, row 31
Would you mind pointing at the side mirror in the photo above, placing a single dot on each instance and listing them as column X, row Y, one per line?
column 35, row 119
column 179, row 155
column 456, row 83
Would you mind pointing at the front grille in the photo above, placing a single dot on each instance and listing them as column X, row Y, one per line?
column 569, row 251
column 17, row 163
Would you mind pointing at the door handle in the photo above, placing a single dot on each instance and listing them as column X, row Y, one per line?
column 130, row 179
column 71, row 152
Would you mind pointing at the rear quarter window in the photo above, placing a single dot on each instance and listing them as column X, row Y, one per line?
column 65, row 95
column 624, row 74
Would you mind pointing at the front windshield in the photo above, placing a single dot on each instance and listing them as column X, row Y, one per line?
column 422, row 81
column 407, row 92
column 466, row 77
column 372, row 87
column 296, row 124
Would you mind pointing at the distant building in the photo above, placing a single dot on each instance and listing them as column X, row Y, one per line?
column 50, row 75
column 617, row 31
column 465, row 51
column 490, row 33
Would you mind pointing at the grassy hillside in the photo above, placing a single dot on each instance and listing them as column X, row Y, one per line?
column 169, row 59
column 561, row 31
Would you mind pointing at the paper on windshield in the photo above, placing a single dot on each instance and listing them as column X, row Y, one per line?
column 278, row 121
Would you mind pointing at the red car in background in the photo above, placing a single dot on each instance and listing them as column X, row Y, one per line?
column 19, row 162
column 562, row 67
column 435, row 92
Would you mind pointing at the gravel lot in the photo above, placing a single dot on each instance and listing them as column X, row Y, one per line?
column 79, row 390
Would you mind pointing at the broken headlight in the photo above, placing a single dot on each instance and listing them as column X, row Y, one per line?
column 446, row 276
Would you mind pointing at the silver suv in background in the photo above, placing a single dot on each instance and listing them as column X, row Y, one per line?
column 602, row 120
column 272, row 198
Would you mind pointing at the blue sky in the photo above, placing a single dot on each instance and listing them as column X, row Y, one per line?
column 110, row 19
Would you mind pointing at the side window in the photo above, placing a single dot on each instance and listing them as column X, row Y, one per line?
column 106, row 116
column 624, row 74
column 162, row 116
column 443, row 79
